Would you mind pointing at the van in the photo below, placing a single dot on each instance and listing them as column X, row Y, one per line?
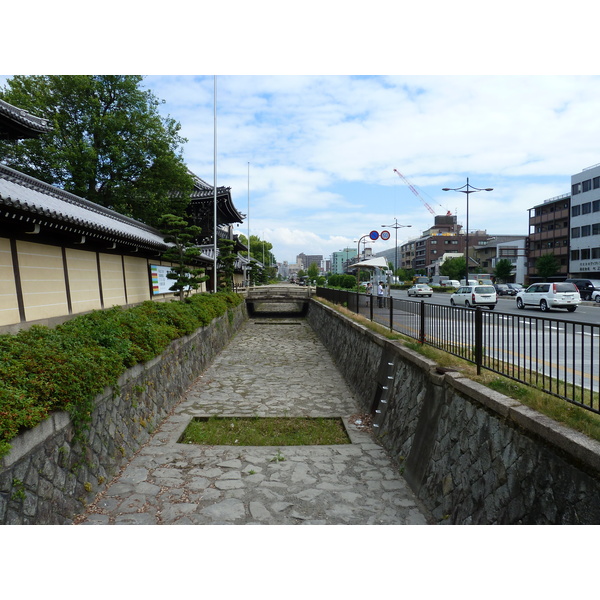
column 586, row 287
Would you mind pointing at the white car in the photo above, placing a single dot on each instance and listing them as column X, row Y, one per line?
column 550, row 295
column 450, row 283
column 420, row 289
column 475, row 295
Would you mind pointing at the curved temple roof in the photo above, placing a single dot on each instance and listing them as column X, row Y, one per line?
column 16, row 123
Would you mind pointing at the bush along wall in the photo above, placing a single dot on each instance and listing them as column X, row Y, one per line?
column 79, row 400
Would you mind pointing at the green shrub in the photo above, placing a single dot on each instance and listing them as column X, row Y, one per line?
column 44, row 369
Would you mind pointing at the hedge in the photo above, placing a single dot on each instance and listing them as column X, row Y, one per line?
column 46, row 369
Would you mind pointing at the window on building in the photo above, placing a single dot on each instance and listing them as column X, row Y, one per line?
column 575, row 188
column 576, row 210
column 585, row 254
column 595, row 205
column 596, row 183
column 574, row 254
column 586, row 208
column 595, row 252
column 586, row 186
column 596, row 229
column 585, row 230
column 575, row 232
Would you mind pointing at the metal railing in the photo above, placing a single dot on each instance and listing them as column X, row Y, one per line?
column 559, row 357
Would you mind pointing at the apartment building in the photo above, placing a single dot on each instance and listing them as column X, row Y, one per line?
column 584, row 258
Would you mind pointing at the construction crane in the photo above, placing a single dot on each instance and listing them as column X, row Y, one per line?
column 414, row 191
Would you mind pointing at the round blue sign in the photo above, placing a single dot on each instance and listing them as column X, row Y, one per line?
column 374, row 235
column 385, row 235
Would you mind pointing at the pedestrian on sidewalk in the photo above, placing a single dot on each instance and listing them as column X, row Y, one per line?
column 380, row 295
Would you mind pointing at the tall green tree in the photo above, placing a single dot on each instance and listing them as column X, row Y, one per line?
column 186, row 274
column 226, row 264
column 504, row 270
column 313, row 272
column 547, row 266
column 109, row 144
column 454, row 268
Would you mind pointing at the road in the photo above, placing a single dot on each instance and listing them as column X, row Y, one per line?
column 587, row 312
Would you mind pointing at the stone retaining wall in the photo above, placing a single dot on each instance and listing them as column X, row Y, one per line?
column 472, row 455
column 47, row 478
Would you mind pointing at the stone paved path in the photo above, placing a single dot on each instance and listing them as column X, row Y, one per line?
column 273, row 367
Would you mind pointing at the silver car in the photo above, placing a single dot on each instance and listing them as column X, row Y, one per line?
column 550, row 295
column 475, row 295
column 420, row 289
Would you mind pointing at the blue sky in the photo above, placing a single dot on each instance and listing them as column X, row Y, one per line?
column 313, row 145
column 321, row 151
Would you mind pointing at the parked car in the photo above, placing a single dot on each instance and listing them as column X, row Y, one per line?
column 502, row 289
column 550, row 295
column 475, row 295
column 514, row 288
column 450, row 283
column 420, row 289
column 596, row 297
column 586, row 287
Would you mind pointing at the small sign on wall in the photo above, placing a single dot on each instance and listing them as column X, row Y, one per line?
column 160, row 282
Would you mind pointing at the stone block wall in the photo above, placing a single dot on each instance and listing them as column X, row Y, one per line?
column 48, row 477
column 472, row 455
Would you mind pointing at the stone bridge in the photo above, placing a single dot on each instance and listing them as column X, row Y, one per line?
column 279, row 299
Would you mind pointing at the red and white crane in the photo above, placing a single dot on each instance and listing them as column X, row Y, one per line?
column 414, row 191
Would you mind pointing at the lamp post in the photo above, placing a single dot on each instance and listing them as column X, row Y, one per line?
column 467, row 189
column 396, row 227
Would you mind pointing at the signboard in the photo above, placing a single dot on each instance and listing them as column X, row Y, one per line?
column 160, row 282
column 374, row 235
column 385, row 235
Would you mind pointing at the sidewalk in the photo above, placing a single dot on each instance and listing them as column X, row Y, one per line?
column 273, row 367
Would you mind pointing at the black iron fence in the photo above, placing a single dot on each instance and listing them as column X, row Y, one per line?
column 556, row 356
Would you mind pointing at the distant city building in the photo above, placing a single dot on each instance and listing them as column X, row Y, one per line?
column 341, row 259
column 308, row 259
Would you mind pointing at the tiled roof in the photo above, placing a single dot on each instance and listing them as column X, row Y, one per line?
column 16, row 123
column 49, row 206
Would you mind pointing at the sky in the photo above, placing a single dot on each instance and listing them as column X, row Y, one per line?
column 312, row 119
column 311, row 159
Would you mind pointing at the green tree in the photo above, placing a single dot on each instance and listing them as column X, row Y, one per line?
column 109, row 144
column 186, row 274
column 256, row 274
column 504, row 270
column 226, row 264
column 454, row 268
column 313, row 272
column 547, row 266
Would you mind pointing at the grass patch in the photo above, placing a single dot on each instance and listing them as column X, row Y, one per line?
column 265, row 431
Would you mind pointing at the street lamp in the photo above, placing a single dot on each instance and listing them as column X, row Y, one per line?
column 467, row 189
column 396, row 227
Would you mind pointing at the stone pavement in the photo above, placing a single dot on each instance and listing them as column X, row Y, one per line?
column 273, row 367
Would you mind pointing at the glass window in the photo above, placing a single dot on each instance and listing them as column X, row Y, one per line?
column 585, row 230
column 586, row 208
column 596, row 183
column 574, row 254
column 595, row 205
column 596, row 229
column 595, row 252
column 585, row 254
column 575, row 188
column 575, row 232
column 586, row 185
column 576, row 210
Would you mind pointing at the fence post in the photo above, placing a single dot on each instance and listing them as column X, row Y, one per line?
column 391, row 312
column 478, row 338
column 422, row 323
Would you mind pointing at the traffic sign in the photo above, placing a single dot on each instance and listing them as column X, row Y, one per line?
column 374, row 235
column 385, row 235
